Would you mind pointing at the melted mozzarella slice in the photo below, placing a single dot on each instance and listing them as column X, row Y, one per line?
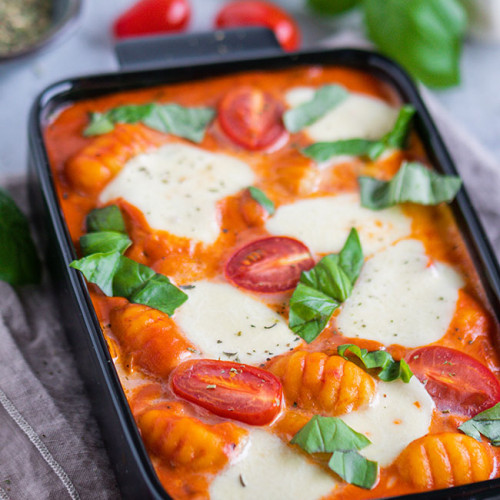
column 401, row 298
column 226, row 323
column 399, row 414
column 177, row 188
column 271, row 470
column 358, row 117
column 323, row 224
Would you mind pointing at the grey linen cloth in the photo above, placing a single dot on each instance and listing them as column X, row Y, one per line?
column 49, row 443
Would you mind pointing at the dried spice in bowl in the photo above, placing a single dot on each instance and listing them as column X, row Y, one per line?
column 23, row 23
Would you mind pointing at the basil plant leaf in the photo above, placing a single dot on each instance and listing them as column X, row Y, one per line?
column 107, row 218
column 396, row 138
column 424, row 36
column 325, row 99
column 130, row 277
column 390, row 369
column 486, row 423
column 186, row 122
column 331, row 8
column 321, row 289
column 328, row 434
column 413, row 183
column 19, row 261
column 354, row 468
column 261, row 198
column 104, row 242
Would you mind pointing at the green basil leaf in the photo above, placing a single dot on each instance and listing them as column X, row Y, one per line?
column 321, row 289
column 414, row 183
column 325, row 99
column 187, row 122
column 159, row 293
column 486, row 423
column 327, row 435
column 323, row 151
column 354, row 468
column 104, row 242
column 310, row 311
column 19, row 262
column 261, row 198
column 424, row 36
column 99, row 268
column 396, row 138
column 331, row 7
column 107, row 218
column 130, row 277
column 390, row 369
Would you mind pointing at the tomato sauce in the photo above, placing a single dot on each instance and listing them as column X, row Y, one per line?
column 83, row 165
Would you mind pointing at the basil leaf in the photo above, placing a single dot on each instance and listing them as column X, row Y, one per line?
column 424, row 36
column 391, row 370
column 414, row 183
column 187, row 122
column 395, row 138
column 354, row 468
column 107, row 218
column 104, row 242
column 330, row 7
column 321, row 289
column 19, row 262
column 130, row 277
column 261, row 198
column 159, row 293
column 99, row 268
column 486, row 423
column 328, row 434
column 325, row 99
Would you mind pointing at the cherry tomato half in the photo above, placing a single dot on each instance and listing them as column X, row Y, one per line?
column 230, row 390
column 251, row 118
column 456, row 381
column 269, row 265
column 255, row 13
column 149, row 17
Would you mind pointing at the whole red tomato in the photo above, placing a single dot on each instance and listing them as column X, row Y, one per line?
column 257, row 13
column 150, row 17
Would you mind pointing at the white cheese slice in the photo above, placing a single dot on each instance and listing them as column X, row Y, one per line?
column 226, row 323
column 399, row 414
column 358, row 117
column 401, row 297
column 269, row 469
column 323, row 224
column 177, row 188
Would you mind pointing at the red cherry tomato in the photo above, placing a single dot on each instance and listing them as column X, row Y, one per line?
column 455, row 381
column 251, row 118
column 269, row 265
column 255, row 13
column 230, row 390
column 149, row 17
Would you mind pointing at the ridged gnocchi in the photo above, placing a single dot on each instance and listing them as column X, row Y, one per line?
column 186, row 441
column 328, row 384
column 150, row 338
column 444, row 460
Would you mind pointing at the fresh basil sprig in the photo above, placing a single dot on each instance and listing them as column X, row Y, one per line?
column 19, row 262
column 413, row 183
column 332, row 435
column 322, row 289
column 390, row 369
column 395, row 138
column 187, row 122
column 261, row 198
column 486, row 423
column 117, row 275
column 325, row 99
column 424, row 36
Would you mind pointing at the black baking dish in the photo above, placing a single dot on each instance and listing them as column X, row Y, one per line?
column 135, row 474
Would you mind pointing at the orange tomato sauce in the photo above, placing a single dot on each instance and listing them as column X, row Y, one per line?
column 83, row 165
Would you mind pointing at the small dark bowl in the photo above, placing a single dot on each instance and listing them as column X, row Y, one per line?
column 65, row 14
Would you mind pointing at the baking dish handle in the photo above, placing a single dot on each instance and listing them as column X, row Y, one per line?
column 163, row 52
